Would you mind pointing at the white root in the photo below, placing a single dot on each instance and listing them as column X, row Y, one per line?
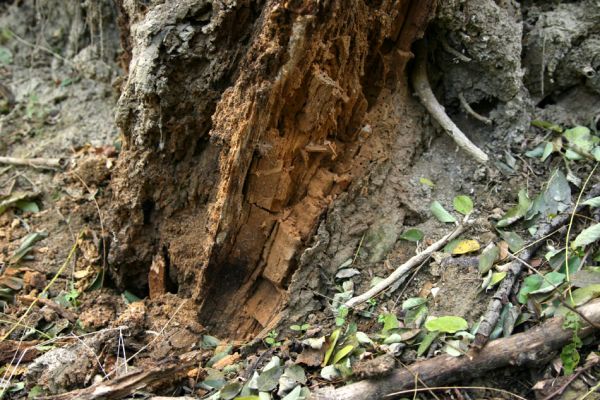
column 425, row 94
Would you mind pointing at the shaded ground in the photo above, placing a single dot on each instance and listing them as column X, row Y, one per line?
column 64, row 111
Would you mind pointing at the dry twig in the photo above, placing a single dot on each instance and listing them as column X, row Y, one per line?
column 47, row 163
column 404, row 268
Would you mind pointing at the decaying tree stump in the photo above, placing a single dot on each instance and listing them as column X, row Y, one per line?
column 241, row 121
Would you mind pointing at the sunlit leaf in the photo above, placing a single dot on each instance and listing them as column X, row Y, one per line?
column 463, row 204
column 446, row 324
column 427, row 182
column 466, row 246
column 343, row 352
column 333, row 338
column 497, row 277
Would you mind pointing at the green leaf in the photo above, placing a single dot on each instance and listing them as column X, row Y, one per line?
column 440, row 213
column 570, row 358
column 497, row 277
column 6, row 56
column 390, row 322
column 412, row 235
column 546, row 125
column 517, row 212
column 413, row 302
column 550, row 282
column 209, row 342
column 580, row 137
column 548, row 149
column 587, row 236
column 583, row 295
column 332, row 342
column 28, row 206
column 530, row 284
column 363, row 338
column 130, row 297
column 488, row 257
column 230, row 390
column 596, row 153
column 556, row 198
column 329, row 373
column 515, row 242
column 593, row 202
column 446, row 324
column 343, row 352
column 463, row 204
column 426, row 342
column 269, row 379
column 427, row 182
column 536, row 152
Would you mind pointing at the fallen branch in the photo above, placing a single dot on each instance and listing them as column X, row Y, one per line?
column 162, row 373
column 533, row 347
column 425, row 94
column 492, row 314
column 404, row 268
column 48, row 163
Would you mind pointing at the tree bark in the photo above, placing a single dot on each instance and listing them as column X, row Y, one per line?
column 241, row 122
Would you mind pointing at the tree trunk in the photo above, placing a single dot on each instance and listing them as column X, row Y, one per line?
column 242, row 121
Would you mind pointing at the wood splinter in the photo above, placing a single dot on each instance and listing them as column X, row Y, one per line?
column 423, row 90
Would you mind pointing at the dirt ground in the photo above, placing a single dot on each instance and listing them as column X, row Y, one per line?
column 534, row 60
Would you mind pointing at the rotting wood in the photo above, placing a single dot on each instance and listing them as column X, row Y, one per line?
column 492, row 314
column 48, row 163
column 226, row 169
column 534, row 347
column 406, row 267
column 425, row 94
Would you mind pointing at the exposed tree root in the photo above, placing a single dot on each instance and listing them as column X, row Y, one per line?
column 467, row 107
column 528, row 348
column 425, row 94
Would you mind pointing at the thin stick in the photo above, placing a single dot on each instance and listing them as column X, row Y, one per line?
column 48, row 163
column 471, row 112
column 35, row 46
column 425, row 94
column 404, row 268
